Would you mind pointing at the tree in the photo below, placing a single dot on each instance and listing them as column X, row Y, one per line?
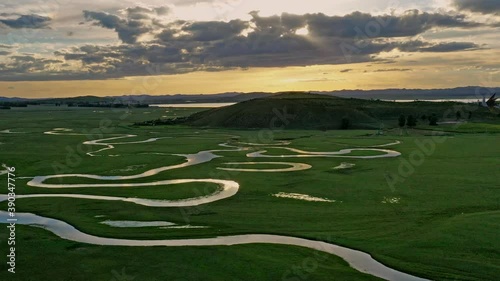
column 345, row 123
column 491, row 102
column 458, row 115
column 423, row 117
column 433, row 120
column 411, row 121
column 470, row 115
column 402, row 121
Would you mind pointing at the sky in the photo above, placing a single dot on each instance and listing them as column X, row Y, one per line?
column 61, row 48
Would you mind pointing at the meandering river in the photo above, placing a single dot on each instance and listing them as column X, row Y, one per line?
column 356, row 259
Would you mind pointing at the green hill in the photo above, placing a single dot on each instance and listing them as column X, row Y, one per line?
column 294, row 110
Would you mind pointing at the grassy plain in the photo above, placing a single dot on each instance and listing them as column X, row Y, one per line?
column 445, row 226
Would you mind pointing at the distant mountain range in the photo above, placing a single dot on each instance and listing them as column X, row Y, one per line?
column 423, row 94
column 15, row 99
column 143, row 99
column 388, row 94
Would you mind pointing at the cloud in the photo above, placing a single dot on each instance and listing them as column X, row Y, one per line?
column 273, row 41
column 25, row 64
column 162, row 11
column 5, row 53
column 27, row 21
column 142, row 13
column 138, row 13
column 479, row 6
column 129, row 60
column 128, row 30
column 451, row 47
column 363, row 25
column 393, row 70
column 234, row 52
column 212, row 31
column 421, row 46
column 134, row 22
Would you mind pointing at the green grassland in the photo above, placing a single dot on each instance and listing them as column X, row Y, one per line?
column 445, row 226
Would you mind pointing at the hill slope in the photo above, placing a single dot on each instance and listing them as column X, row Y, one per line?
column 291, row 110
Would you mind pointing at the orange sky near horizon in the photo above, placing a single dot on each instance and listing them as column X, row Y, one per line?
column 366, row 76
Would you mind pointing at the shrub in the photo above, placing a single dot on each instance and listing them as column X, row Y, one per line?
column 433, row 120
column 411, row 121
column 402, row 121
column 345, row 123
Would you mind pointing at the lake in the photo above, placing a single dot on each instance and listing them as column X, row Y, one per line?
column 222, row 104
column 439, row 100
column 194, row 105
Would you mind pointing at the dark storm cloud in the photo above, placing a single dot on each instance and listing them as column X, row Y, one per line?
column 184, row 46
column 27, row 21
column 479, row 6
column 128, row 30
